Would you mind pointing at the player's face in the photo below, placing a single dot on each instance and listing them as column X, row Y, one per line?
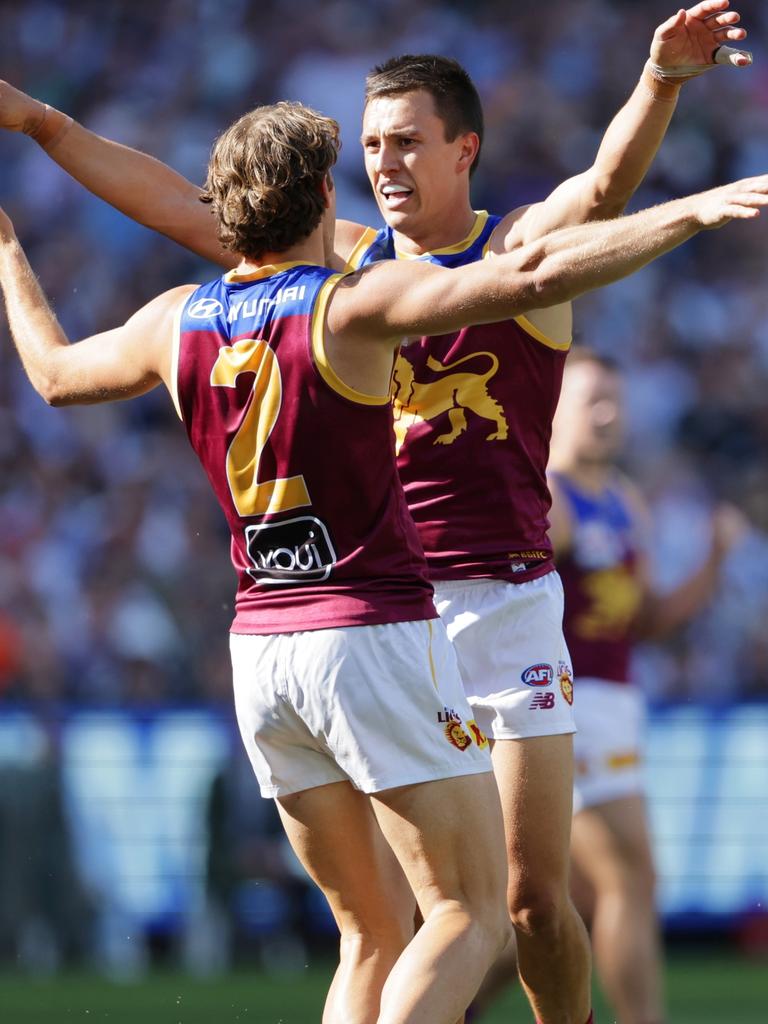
column 419, row 179
column 590, row 414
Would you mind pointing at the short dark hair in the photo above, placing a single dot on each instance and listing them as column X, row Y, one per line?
column 457, row 102
column 265, row 177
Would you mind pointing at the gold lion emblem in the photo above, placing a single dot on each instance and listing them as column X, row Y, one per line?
column 566, row 685
column 453, row 393
column 456, row 735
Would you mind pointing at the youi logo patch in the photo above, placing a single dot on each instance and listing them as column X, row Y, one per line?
column 538, row 675
column 295, row 551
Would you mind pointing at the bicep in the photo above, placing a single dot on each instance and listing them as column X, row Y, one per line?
column 126, row 361
column 570, row 204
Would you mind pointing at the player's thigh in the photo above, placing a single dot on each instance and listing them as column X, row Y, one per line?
column 611, row 842
column 535, row 780
column 449, row 838
column 335, row 835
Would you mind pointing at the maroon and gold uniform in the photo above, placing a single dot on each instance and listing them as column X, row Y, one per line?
column 302, row 465
column 473, row 419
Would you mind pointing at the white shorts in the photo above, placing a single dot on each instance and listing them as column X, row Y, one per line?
column 378, row 706
column 607, row 747
column 512, row 654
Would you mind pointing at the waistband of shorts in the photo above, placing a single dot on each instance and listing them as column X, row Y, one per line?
column 492, row 581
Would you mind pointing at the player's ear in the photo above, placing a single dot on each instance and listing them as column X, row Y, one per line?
column 327, row 189
column 468, row 150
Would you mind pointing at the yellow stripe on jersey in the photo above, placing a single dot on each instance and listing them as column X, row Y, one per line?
column 175, row 348
column 529, row 328
column 353, row 260
column 324, row 367
column 481, row 216
column 268, row 270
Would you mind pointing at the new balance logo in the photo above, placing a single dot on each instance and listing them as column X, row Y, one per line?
column 543, row 701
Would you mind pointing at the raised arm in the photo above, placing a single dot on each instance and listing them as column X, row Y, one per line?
column 397, row 298
column 686, row 41
column 116, row 364
column 140, row 186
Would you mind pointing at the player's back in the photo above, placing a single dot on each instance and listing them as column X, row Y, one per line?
column 599, row 574
column 473, row 418
column 302, row 465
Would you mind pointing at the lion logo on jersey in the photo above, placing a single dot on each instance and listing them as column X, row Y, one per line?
column 452, row 393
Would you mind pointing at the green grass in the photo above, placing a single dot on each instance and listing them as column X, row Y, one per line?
column 703, row 989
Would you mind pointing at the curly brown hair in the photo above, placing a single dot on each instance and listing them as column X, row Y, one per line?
column 265, row 177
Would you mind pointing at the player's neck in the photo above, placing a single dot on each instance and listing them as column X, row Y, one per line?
column 438, row 233
column 310, row 250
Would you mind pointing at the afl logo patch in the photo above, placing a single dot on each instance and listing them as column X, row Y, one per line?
column 538, row 675
column 205, row 309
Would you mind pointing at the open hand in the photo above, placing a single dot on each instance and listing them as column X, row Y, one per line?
column 741, row 200
column 691, row 37
column 19, row 112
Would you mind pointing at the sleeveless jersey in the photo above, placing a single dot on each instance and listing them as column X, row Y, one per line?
column 302, row 465
column 602, row 592
column 473, row 419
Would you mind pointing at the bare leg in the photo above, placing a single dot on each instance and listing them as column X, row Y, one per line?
column 335, row 835
column 449, row 839
column 535, row 778
column 611, row 848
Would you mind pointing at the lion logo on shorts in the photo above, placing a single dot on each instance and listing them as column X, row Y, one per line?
column 453, row 393
column 456, row 735
column 566, row 682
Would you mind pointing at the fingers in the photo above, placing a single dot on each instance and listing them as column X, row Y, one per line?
column 668, row 28
column 727, row 55
column 706, row 8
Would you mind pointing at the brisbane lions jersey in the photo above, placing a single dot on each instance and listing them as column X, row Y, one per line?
column 473, row 419
column 302, row 465
column 599, row 574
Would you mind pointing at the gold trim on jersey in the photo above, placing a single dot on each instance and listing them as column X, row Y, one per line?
column 481, row 218
column 268, row 270
column 324, row 367
column 365, row 240
column 175, row 351
column 529, row 328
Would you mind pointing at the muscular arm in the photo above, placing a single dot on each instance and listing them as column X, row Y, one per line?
column 397, row 298
column 635, row 133
column 140, row 186
column 116, row 364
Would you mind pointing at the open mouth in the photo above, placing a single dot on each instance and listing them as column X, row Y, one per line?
column 395, row 196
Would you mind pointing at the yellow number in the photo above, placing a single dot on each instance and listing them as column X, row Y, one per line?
column 251, row 496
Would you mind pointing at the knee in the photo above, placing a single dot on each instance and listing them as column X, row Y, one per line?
column 361, row 939
column 534, row 908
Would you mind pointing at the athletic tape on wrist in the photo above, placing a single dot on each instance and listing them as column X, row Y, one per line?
column 722, row 55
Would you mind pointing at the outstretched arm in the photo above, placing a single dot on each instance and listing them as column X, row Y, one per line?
column 141, row 187
column 396, row 298
column 686, row 40
column 121, row 363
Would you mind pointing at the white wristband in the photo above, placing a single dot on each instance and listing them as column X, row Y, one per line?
column 722, row 55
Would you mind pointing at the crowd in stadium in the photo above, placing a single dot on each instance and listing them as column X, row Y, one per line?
column 114, row 582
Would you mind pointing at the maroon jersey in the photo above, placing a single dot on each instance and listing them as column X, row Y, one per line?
column 599, row 574
column 302, row 465
column 473, row 420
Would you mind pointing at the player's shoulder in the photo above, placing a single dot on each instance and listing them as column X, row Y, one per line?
column 164, row 306
column 509, row 233
column 348, row 236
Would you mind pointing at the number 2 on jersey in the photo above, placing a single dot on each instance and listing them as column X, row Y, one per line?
column 251, row 496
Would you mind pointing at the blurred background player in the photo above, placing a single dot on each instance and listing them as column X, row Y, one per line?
column 601, row 533
column 484, row 430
